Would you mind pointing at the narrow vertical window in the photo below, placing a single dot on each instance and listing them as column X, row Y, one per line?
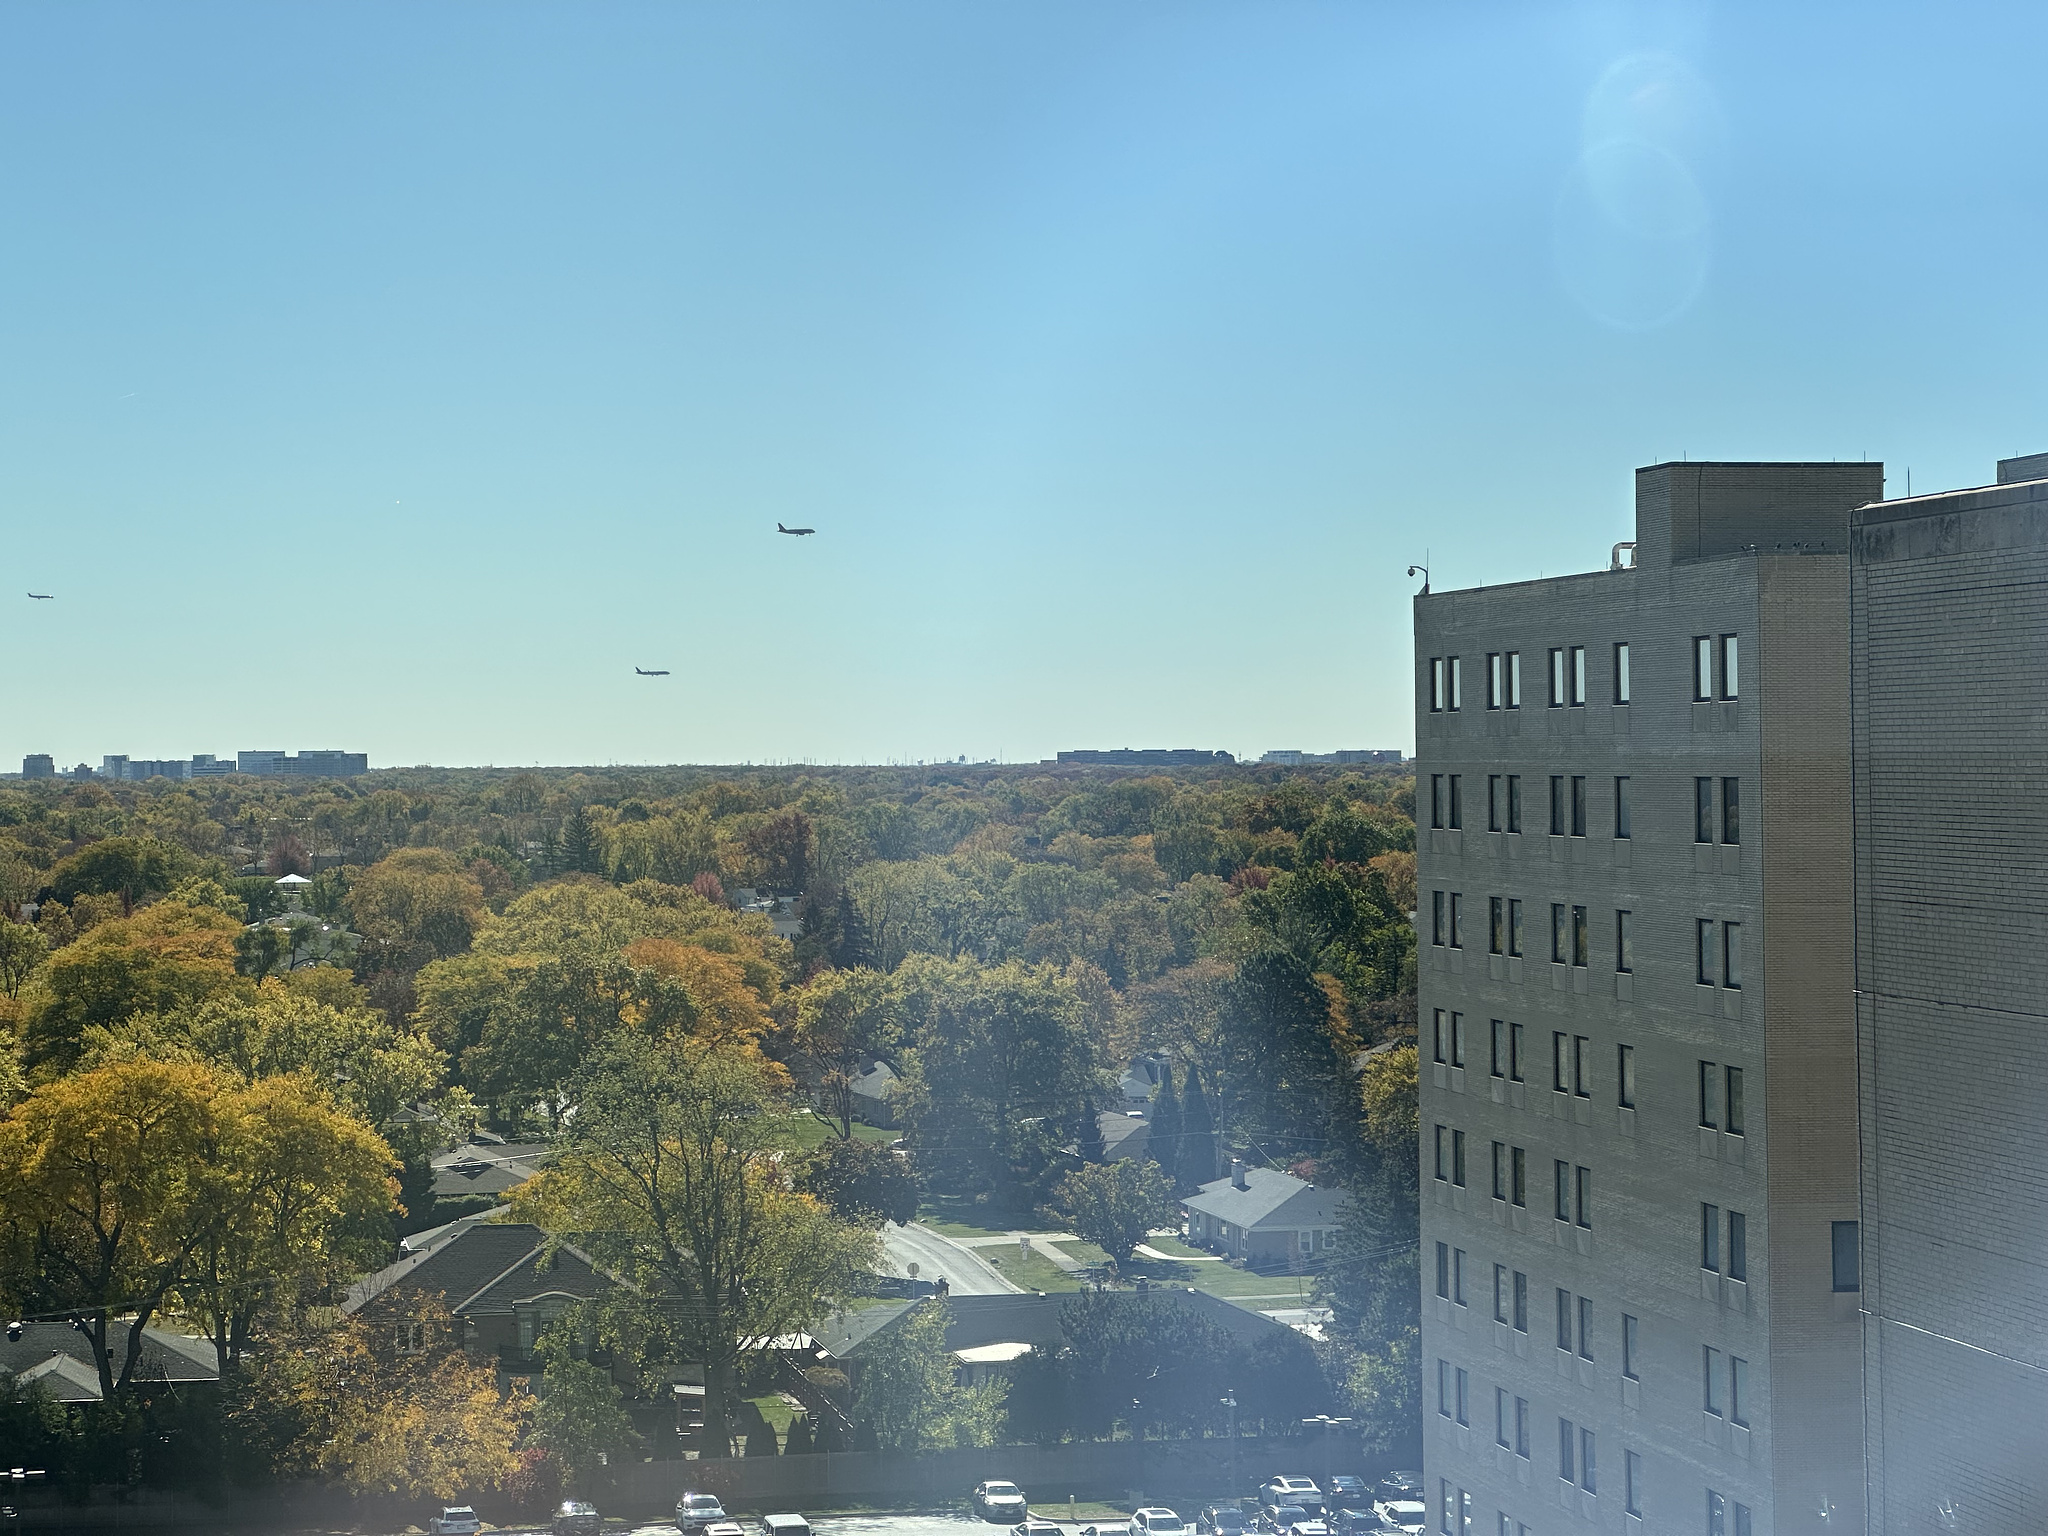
column 1500, row 1048
column 1582, row 1069
column 1514, row 802
column 1628, row 1347
column 1522, row 1428
column 1567, row 1450
column 1625, row 1076
column 1728, row 671
column 1443, row 1270
column 1443, row 1167
column 1443, row 1396
column 1564, row 1320
column 1515, row 927
column 1436, row 802
column 1586, row 1198
column 1521, row 1302
column 1436, row 684
column 1738, row 1390
column 1717, row 1514
column 1458, row 1175
column 1632, row 1483
column 1587, row 1479
column 1493, row 802
column 1457, row 700
column 1581, row 938
column 1500, row 1192
column 1500, row 1295
column 1559, row 1083
column 1734, row 1101
column 1457, row 809
column 1703, row 667
column 1439, row 1036
column 1624, row 944
column 1621, row 821
column 1519, row 1163
column 1703, row 810
column 1560, row 934
column 1464, row 1397
column 1457, row 1039
column 1621, row 671
column 1738, row 1246
column 1704, row 941
column 1710, row 1361
column 1496, row 925
column 1585, row 1328
column 1514, row 679
column 1458, row 1276
column 1500, row 1418
column 1457, row 920
column 1578, row 805
column 1578, row 665
column 1731, row 810
column 1710, row 1237
column 1437, row 925
column 1742, row 1526
column 1848, row 1262
column 1731, row 956
column 1558, row 813
column 1495, row 680
column 1557, row 683
column 1514, row 1052
column 1563, row 1209
column 1710, row 1109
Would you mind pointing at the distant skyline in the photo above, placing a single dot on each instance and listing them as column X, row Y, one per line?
column 399, row 378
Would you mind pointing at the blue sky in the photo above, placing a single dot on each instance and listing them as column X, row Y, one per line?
column 397, row 377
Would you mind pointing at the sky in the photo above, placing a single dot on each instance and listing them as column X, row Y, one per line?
column 398, row 377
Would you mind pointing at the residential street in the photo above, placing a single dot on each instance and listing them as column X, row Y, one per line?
column 939, row 1257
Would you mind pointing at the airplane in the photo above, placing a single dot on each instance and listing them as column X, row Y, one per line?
column 795, row 533
column 643, row 672
column 44, row 597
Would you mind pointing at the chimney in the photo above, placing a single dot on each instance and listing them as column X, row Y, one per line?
column 1237, row 1173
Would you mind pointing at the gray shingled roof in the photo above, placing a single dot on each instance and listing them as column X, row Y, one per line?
column 974, row 1322
column 1270, row 1200
column 61, row 1358
column 485, row 1267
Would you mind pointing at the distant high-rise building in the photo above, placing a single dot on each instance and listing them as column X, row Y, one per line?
column 1287, row 757
column 206, row 766
column 324, row 763
column 1147, row 757
column 38, row 765
column 114, row 766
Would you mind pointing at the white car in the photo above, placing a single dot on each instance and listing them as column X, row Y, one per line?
column 1159, row 1521
column 455, row 1520
column 695, row 1511
column 1003, row 1503
column 1407, row 1515
column 1292, row 1490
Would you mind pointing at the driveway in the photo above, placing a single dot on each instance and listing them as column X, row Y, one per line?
column 938, row 1257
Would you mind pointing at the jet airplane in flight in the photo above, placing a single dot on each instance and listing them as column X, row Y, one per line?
column 659, row 672
column 44, row 597
column 795, row 533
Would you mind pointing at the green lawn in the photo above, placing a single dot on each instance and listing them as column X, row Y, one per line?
column 1216, row 1279
column 1034, row 1271
column 963, row 1218
column 810, row 1130
column 1174, row 1245
column 778, row 1413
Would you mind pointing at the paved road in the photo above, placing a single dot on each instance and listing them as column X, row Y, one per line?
column 939, row 1257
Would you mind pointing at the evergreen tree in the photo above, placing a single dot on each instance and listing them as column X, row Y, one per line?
column 1089, row 1137
column 799, row 1441
column 853, row 947
column 1163, row 1138
column 1198, row 1136
column 581, row 849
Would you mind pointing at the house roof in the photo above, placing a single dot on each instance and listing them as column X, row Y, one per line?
column 476, row 1168
column 1270, row 1201
column 485, row 1267
column 876, row 1082
column 60, row 1357
column 982, row 1323
column 1123, row 1135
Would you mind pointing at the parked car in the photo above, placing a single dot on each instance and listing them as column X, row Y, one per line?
column 1037, row 1528
column 454, row 1520
column 1220, row 1520
column 1281, row 1518
column 1344, row 1489
column 1117, row 1528
column 786, row 1525
column 1003, row 1503
column 696, row 1511
column 1403, row 1514
column 1292, row 1490
column 724, row 1528
column 1157, row 1520
column 1401, row 1485
column 1359, row 1519
column 576, row 1518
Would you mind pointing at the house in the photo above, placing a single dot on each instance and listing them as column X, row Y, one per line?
column 873, row 1092
column 1125, row 1133
column 498, row 1280
column 485, row 1168
column 58, row 1358
column 1269, row 1219
column 1141, row 1080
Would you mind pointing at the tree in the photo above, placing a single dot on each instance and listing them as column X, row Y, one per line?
column 582, row 846
column 862, row 1181
column 129, row 867
column 1114, row 1205
column 417, row 905
column 1290, row 1051
column 845, row 1022
column 782, row 846
column 22, row 949
column 1088, row 1132
column 906, row 1394
column 1385, row 1388
column 669, row 1178
column 1163, row 1127
column 1198, row 1161
column 579, row 1413
column 259, row 950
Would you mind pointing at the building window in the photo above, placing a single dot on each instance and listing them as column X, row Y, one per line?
column 1500, row 1192
column 1848, row 1262
column 1585, row 1328
column 1515, row 927
column 1728, row 671
column 1519, row 1163
column 1436, row 802
column 1560, row 934
column 1500, row 1418
column 1710, row 1112
column 1437, row 925
column 1443, row 1166
column 1443, row 1387
column 1457, row 920
column 1578, row 676
column 1582, row 1076
column 1443, row 1269
column 1458, row 1277
column 1734, row 1101
column 1522, row 1427
column 1628, row 1347
column 1496, row 680
column 1624, row 945
column 1703, row 667
column 1581, row 946
column 1500, row 1294
column 1703, row 810
column 1567, row 1450
column 1514, row 802
column 1558, row 814
column 1557, row 684
column 1710, row 1364
column 1458, row 1162
column 1496, row 925
column 1564, row 1320
column 1621, row 671
column 1559, row 1083
column 1738, row 1246
column 1731, row 956
column 1621, row 822
column 1578, row 805
column 1587, row 1479
column 1731, row 810
column 1443, row 1518
column 1464, row 1397
column 1586, row 1198
column 1625, row 1076
column 1493, row 802
column 1742, row 1520
column 1632, row 1483
column 1515, row 1042
column 1563, row 1207
column 1738, row 1390
column 1514, row 679
column 1703, row 940
column 1522, row 1313
column 1500, row 1048
column 1440, row 1036
column 1436, row 684
column 1457, row 816
column 1710, row 1237
column 1717, row 1514
column 1457, row 682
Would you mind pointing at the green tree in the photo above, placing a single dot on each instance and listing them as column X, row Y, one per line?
column 579, row 1414
column 1198, row 1160
column 906, row 1393
column 1114, row 1205
column 845, row 1022
column 417, row 905
column 862, row 1181
column 132, row 868
column 1163, row 1127
column 670, row 1177
column 22, row 949
column 582, row 846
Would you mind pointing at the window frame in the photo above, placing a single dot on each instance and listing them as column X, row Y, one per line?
column 1738, row 1247
column 1734, row 1116
column 1584, row 1186
column 1623, row 822
column 1457, row 920
column 1558, row 810
column 1557, row 680
column 1731, row 811
column 1578, row 795
column 1630, row 1329
column 1621, row 677
column 1731, row 957
column 1582, row 937
column 1845, row 1256
column 1514, row 680
column 1514, row 927
column 1457, row 806
column 1457, row 670
column 1702, row 669
column 1730, row 659
column 1624, row 1075
column 1496, row 680
column 1496, row 926
column 1710, row 1237
column 1624, row 942
column 1515, row 804
column 1575, row 676
column 1560, row 934
column 1703, row 940
column 1702, row 808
